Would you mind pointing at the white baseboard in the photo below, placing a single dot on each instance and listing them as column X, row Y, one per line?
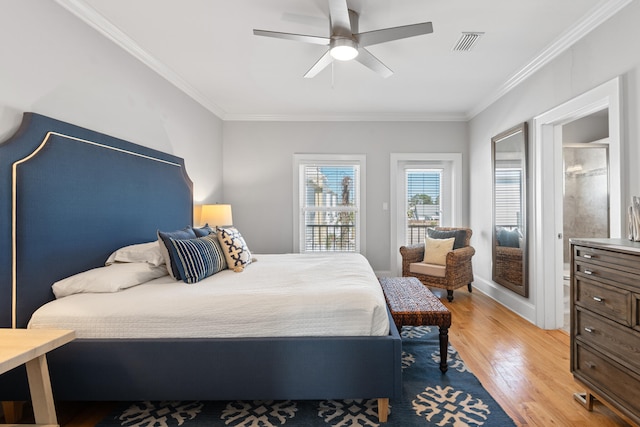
column 521, row 306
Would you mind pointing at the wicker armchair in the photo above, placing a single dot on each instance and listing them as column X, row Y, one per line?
column 458, row 269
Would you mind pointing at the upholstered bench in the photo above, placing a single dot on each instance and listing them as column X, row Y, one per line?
column 413, row 304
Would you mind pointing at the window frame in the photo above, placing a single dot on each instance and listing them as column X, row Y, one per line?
column 451, row 162
column 304, row 159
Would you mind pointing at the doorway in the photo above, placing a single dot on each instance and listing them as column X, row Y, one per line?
column 585, row 208
column 448, row 166
column 547, row 231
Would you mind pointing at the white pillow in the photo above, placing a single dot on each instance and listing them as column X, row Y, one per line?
column 436, row 250
column 112, row 278
column 142, row 252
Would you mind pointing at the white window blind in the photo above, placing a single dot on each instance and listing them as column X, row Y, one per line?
column 422, row 198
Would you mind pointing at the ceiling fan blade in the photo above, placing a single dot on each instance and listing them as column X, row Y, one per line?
column 296, row 37
column 395, row 33
column 320, row 65
column 368, row 60
column 339, row 17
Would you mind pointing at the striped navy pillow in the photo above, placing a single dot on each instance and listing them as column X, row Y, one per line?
column 197, row 258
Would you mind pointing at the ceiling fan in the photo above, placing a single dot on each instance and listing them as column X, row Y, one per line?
column 346, row 43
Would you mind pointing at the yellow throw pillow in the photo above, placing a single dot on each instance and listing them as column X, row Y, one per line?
column 435, row 250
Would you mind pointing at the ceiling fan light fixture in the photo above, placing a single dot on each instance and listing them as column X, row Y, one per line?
column 344, row 49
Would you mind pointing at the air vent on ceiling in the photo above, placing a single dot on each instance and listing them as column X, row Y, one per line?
column 467, row 41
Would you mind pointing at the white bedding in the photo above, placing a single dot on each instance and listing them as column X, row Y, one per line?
column 280, row 295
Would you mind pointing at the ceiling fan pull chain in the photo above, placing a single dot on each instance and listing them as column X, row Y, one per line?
column 332, row 75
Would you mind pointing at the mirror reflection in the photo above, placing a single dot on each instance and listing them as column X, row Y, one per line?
column 509, row 161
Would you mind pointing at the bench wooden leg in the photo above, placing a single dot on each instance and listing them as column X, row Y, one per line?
column 449, row 295
column 444, row 347
column 469, row 286
column 383, row 409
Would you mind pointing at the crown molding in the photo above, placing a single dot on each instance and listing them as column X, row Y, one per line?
column 97, row 21
column 590, row 21
column 598, row 15
column 351, row 117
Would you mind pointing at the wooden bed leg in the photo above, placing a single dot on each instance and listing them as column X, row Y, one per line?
column 12, row 411
column 383, row 409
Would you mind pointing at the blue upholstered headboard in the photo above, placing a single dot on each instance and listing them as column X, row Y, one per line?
column 69, row 197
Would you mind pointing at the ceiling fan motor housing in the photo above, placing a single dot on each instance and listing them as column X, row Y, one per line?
column 343, row 48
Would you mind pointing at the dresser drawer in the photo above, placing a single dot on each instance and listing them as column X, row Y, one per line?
column 607, row 275
column 615, row 260
column 610, row 301
column 621, row 343
column 614, row 381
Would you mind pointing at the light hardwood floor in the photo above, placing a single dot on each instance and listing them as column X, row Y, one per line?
column 526, row 369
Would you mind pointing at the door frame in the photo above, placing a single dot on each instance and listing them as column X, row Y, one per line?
column 546, row 258
column 397, row 186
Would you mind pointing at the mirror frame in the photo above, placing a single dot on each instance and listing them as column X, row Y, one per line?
column 521, row 288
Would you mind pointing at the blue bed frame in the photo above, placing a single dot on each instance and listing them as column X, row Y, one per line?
column 69, row 197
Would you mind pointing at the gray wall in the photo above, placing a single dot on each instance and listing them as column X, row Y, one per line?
column 258, row 169
column 51, row 63
column 602, row 55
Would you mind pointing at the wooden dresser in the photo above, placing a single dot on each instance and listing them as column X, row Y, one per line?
column 605, row 323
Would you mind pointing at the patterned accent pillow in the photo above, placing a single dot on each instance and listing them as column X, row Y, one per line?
column 165, row 246
column 234, row 247
column 197, row 258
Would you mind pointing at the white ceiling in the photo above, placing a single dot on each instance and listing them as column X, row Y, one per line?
column 207, row 49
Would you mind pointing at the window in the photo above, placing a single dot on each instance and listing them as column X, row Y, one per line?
column 328, row 203
column 422, row 197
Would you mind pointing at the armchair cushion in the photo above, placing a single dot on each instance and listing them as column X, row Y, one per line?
column 459, row 235
column 428, row 269
column 508, row 238
column 436, row 250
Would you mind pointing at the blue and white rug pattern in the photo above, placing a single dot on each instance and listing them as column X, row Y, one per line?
column 430, row 398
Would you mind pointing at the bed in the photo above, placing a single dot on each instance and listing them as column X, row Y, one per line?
column 69, row 198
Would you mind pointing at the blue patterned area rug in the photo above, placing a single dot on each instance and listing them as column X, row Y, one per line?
column 430, row 398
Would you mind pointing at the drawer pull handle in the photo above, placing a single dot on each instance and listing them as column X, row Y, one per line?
column 589, row 272
column 588, row 329
column 598, row 299
column 586, row 256
column 590, row 365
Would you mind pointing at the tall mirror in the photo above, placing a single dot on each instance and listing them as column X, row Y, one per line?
column 509, row 161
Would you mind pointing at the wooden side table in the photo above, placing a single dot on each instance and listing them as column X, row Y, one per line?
column 29, row 347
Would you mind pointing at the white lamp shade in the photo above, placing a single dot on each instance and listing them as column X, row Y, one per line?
column 215, row 215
